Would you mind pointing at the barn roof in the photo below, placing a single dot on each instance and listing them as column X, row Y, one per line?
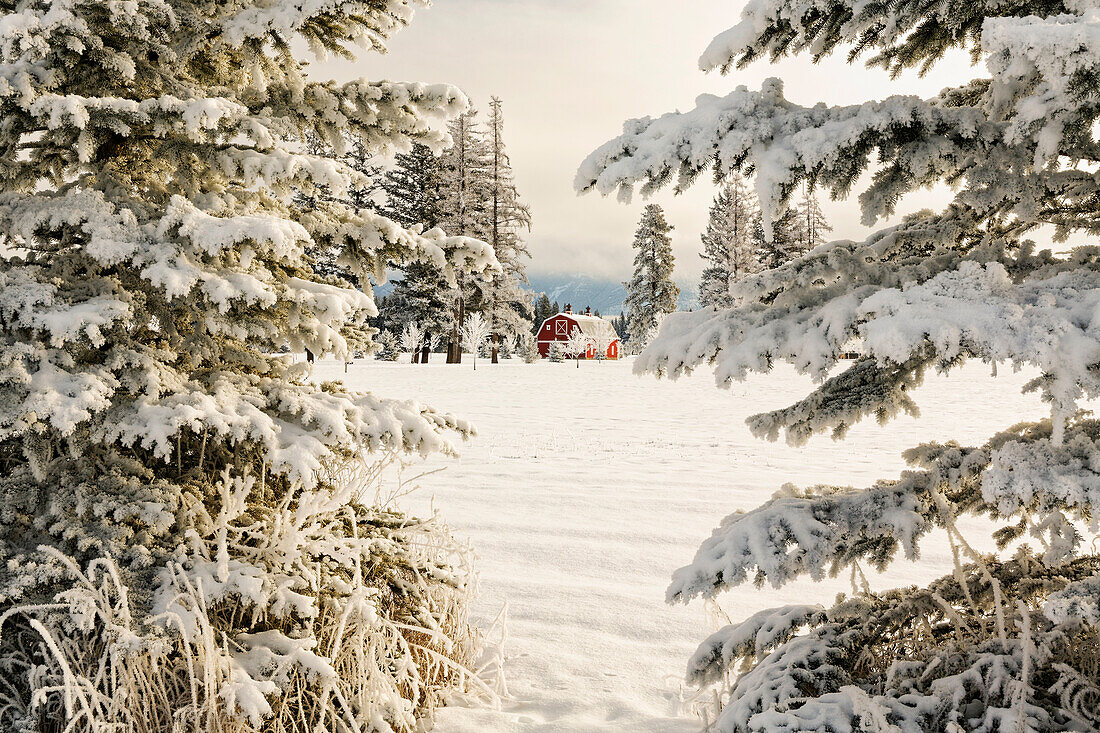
column 593, row 326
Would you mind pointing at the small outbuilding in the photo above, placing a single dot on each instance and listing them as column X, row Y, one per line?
column 559, row 328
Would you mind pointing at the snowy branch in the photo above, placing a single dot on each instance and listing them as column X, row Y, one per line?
column 784, row 143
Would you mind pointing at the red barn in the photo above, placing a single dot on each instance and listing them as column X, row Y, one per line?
column 560, row 327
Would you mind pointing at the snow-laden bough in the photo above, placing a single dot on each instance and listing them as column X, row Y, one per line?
column 1007, row 642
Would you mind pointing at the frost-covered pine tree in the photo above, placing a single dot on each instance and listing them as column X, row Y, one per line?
column 466, row 205
column 328, row 259
column 466, row 180
column 810, row 225
column 528, row 348
column 1008, row 642
column 388, row 347
column 413, row 189
column 502, row 298
column 778, row 243
column 729, row 242
column 421, row 295
column 481, row 200
column 651, row 293
column 366, row 192
column 184, row 543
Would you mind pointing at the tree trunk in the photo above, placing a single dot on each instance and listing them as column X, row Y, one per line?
column 454, row 350
column 496, row 348
column 424, row 354
column 415, row 355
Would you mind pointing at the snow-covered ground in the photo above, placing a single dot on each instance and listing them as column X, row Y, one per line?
column 587, row 487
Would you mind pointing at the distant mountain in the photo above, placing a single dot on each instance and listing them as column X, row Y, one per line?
column 605, row 296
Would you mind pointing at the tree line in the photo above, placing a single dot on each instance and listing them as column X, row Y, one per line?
column 735, row 246
column 469, row 190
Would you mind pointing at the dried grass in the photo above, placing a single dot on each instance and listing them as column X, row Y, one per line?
column 359, row 623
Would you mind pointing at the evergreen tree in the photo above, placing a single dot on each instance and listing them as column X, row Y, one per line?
column 414, row 198
column 466, row 181
column 363, row 192
column 178, row 523
column 388, row 347
column 650, row 293
column 503, row 299
column 329, row 259
column 466, row 210
column 1008, row 640
column 730, row 246
column 621, row 328
column 810, row 225
column 543, row 309
column 421, row 297
column 413, row 189
column 783, row 246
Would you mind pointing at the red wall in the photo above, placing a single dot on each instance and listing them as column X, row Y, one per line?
column 550, row 332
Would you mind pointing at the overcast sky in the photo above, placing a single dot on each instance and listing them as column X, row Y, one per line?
column 571, row 71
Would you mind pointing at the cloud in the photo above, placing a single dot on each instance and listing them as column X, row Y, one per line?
column 571, row 71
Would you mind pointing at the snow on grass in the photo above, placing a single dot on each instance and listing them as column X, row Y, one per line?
column 586, row 488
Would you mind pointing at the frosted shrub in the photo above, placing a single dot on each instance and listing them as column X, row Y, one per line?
column 578, row 345
column 348, row 616
column 411, row 339
column 603, row 344
column 475, row 335
column 182, row 546
column 1008, row 642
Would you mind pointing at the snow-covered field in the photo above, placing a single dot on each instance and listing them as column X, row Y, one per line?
column 587, row 487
